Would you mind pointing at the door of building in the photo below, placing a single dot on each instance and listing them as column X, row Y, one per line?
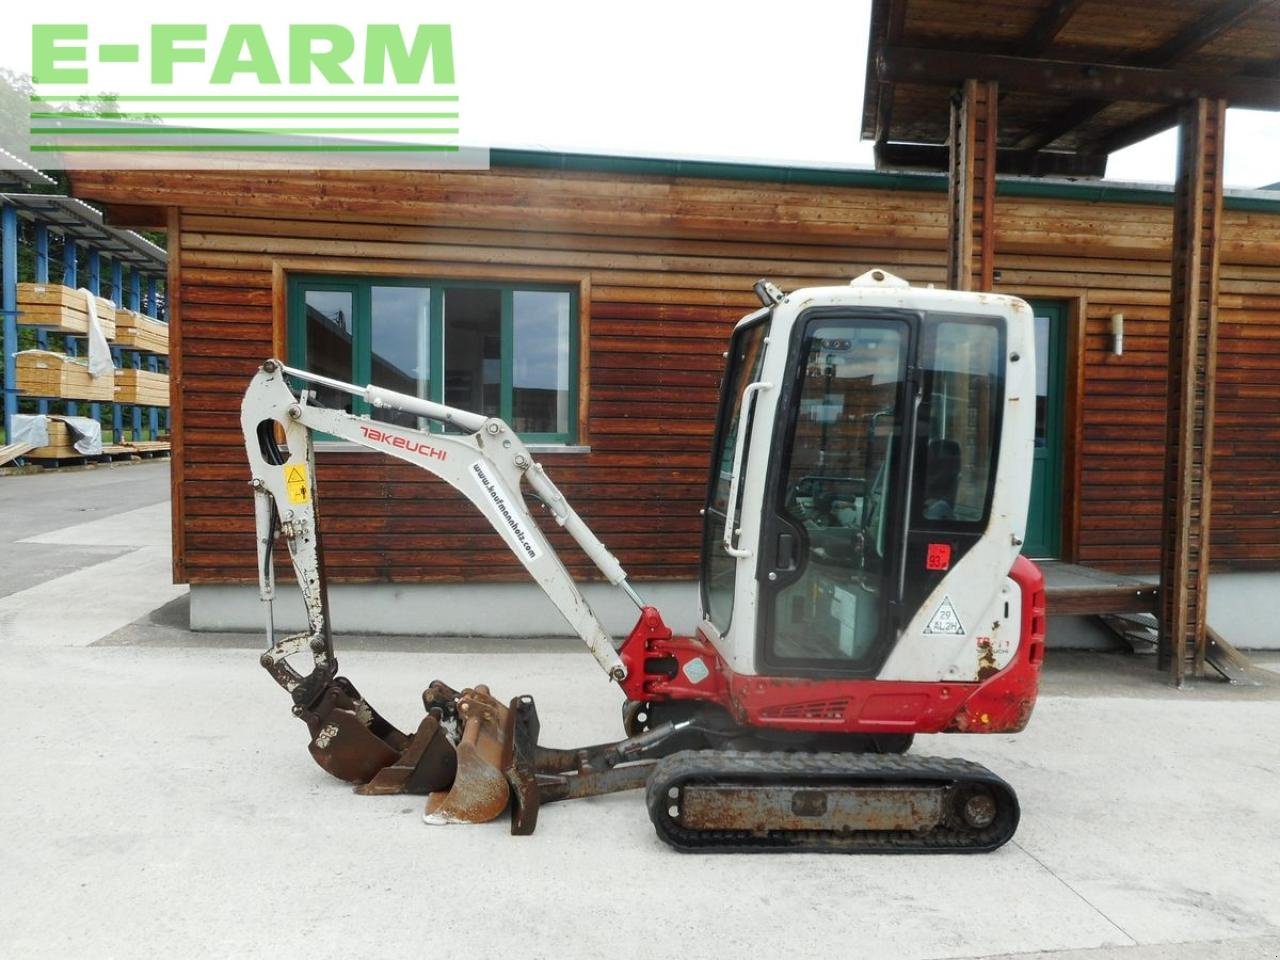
column 1044, row 520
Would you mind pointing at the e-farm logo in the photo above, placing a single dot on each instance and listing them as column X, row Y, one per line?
column 198, row 90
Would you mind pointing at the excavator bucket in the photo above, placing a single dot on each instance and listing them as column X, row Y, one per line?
column 349, row 738
column 480, row 791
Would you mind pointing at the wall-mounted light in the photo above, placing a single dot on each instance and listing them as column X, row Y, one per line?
column 1117, row 334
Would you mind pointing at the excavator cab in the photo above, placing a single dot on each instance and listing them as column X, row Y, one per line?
column 869, row 485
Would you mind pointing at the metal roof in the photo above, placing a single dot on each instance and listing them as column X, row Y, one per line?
column 17, row 174
column 75, row 218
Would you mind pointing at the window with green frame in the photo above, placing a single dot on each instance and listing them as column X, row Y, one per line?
column 505, row 350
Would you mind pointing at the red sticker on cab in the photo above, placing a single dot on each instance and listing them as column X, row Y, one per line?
column 938, row 557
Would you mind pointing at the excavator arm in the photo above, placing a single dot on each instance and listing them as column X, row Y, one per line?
column 471, row 754
column 486, row 464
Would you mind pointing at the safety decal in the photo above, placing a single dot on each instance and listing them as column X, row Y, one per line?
column 295, row 481
column 945, row 620
column 938, row 556
column 696, row 670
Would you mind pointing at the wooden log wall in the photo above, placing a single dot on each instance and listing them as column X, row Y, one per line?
column 670, row 263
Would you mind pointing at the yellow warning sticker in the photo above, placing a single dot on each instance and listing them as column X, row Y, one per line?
column 295, row 479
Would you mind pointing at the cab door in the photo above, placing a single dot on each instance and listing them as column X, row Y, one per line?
column 831, row 543
column 882, row 477
column 719, row 568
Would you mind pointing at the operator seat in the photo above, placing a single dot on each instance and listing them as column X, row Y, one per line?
column 942, row 479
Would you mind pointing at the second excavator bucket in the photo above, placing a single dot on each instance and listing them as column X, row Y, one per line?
column 427, row 766
column 480, row 791
column 429, row 762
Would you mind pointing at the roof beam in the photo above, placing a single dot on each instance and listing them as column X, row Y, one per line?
column 1072, row 79
column 1195, row 36
column 1137, row 132
column 934, row 156
column 1047, row 27
column 895, row 17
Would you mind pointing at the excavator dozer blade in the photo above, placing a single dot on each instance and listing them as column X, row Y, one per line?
column 350, row 739
column 480, row 791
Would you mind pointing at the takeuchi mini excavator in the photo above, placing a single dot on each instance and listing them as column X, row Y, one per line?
column 860, row 581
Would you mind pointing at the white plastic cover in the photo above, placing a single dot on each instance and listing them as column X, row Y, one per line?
column 34, row 429
column 30, row 428
column 100, row 363
column 88, row 434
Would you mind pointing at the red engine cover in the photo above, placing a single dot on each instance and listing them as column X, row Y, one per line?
column 662, row 666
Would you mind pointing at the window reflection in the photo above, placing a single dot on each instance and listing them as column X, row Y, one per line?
column 540, row 362
column 473, row 350
column 329, row 338
column 401, row 346
column 962, row 397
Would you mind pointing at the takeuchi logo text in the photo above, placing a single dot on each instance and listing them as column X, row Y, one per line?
column 306, row 53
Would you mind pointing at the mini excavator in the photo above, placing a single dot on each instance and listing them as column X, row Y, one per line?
column 861, row 582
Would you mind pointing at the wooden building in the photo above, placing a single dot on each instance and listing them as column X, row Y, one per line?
column 647, row 265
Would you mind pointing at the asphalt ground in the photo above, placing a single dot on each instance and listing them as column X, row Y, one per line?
column 159, row 800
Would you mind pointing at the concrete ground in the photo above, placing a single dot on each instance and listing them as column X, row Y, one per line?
column 159, row 801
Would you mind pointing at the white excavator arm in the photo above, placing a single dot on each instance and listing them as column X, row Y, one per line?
column 486, row 464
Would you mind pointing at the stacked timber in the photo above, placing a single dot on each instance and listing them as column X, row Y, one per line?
column 62, row 309
column 42, row 373
column 140, row 332
column 142, row 387
column 62, row 442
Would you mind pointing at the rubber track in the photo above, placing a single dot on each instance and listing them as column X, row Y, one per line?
column 813, row 771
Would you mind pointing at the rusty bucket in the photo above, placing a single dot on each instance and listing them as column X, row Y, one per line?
column 480, row 791
column 349, row 738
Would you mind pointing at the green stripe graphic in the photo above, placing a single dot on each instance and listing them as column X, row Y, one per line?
column 246, row 148
column 91, row 115
column 252, row 98
column 236, row 131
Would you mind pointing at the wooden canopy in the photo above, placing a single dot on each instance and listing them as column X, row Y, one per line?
column 1078, row 79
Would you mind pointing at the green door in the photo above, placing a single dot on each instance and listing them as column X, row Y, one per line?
column 1044, row 520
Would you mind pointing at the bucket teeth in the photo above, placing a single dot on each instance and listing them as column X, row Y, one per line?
column 480, row 791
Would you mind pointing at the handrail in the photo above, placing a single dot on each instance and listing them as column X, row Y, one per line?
column 739, row 448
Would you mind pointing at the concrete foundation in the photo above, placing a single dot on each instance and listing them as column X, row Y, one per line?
column 440, row 609
column 522, row 610
column 1242, row 608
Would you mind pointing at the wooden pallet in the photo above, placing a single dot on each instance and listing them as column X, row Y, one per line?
column 142, row 387
column 141, row 332
column 110, row 454
column 149, row 449
column 42, row 373
column 62, row 309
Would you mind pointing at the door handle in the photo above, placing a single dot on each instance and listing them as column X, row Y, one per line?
column 786, row 552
